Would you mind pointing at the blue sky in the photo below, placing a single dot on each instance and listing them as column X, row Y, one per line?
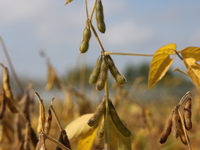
column 131, row 26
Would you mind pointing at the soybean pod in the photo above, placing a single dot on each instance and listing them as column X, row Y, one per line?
column 94, row 120
column 175, row 119
column 181, row 132
column 187, row 114
column 96, row 70
column 167, row 131
column 3, row 104
column 8, row 92
column 114, row 71
column 86, row 38
column 100, row 17
column 116, row 120
column 103, row 75
column 101, row 129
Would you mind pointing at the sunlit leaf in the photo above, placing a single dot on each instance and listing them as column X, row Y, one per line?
column 160, row 64
column 78, row 127
column 191, row 52
column 87, row 140
column 68, row 1
column 116, row 140
column 193, row 70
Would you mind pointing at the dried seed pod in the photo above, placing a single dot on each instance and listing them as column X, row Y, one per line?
column 26, row 105
column 34, row 138
column 103, row 75
column 41, row 119
column 3, row 104
column 8, row 92
column 187, row 114
column 114, row 71
column 47, row 125
column 167, row 131
column 41, row 143
column 100, row 17
column 18, row 129
column 181, row 132
column 98, row 113
column 116, row 120
column 175, row 118
column 96, row 70
column 64, row 140
column 51, row 77
column 101, row 129
column 27, row 137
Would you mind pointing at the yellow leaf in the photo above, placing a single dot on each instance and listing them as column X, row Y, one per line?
column 116, row 140
column 68, row 1
column 191, row 52
column 78, row 127
column 193, row 70
column 160, row 64
column 87, row 140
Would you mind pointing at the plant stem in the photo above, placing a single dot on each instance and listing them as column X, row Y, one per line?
column 178, row 55
column 183, row 98
column 11, row 66
column 93, row 10
column 129, row 54
column 86, row 8
column 55, row 141
column 97, row 37
column 177, row 69
column 57, row 120
column 186, row 136
column 106, row 115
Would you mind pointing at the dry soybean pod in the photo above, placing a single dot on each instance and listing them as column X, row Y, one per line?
column 86, row 38
column 101, row 129
column 167, row 131
column 116, row 120
column 181, row 132
column 3, row 105
column 47, row 125
column 27, row 137
column 34, row 138
column 100, row 17
column 187, row 114
column 114, row 71
column 98, row 113
column 41, row 119
column 64, row 140
column 103, row 75
column 175, row 118
column 7, row 89
column 96, row 70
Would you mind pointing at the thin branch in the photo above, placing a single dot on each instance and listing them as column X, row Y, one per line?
column 179, row 55
column 93, row 10
column 55, row 141
column 184, row 97
column 57, row 120
column 186, row 136
column 179, row 70
column 11, row 66
column 97, row 37
column 129, row 54
column 86, row 9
